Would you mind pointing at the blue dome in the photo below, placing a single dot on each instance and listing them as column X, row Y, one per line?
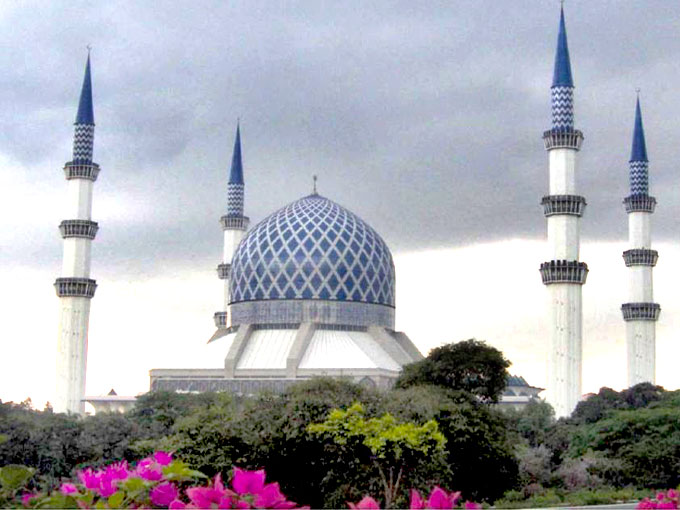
column 313, row 249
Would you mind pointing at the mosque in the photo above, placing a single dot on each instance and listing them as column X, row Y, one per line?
column 310, row 290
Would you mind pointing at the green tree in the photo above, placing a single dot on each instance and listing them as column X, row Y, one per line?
column 396, row 450
column 470, row 366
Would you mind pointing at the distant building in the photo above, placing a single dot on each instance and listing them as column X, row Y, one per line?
column 518, row 393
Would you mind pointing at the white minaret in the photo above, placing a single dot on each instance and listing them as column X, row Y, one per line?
column 564, row 274
column 75, row 288
column 234, row 225
column 640, row 313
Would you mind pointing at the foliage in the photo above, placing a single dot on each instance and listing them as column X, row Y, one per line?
column 396, row 449
column 597, row 406
column 12, row 478
column 646, row 441
column 533, row 422
column 470, row 366
column 560, row 497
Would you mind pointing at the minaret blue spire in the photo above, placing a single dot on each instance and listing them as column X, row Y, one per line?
column 83, row 138
column 562, row 90
column 85, row 110
column 235, row 187
column 562, row 73
column 639, row 149
column 236, row 174
column 639, row 164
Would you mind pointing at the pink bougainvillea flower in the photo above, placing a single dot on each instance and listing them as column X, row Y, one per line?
column 117, row 471
column 439, row 500
column 204, row 497
column 660, row 496
column 454, row 496
column 270, row 497
column 89, row 479
column 163, row 458
column 672, row 494
column 417, row 502
column 645, row 504
column 471, row 505
column 248, row 482
column 68, row 488
column 107, row 487
column 368, row 503
column 163, row 494
column 149, row 470
column 177, row 505
column 667, row 504
column 26, row 498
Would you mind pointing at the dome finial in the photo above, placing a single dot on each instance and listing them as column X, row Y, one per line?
column 314, row 178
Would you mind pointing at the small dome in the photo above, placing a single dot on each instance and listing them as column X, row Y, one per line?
column 313, row 249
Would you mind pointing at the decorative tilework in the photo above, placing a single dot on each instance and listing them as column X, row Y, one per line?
column 83, row 143
column 235, row 194
column 313, row 249
column 639, row 178
column 562, row 99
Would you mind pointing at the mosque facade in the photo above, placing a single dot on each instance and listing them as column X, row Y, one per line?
column 310, row 290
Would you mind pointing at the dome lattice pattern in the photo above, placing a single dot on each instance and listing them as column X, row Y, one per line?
column 313, row 249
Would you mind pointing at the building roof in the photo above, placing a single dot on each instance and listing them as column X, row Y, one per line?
column 313, row 249
column 562, row 73
column 85, row 113
column 639, row 148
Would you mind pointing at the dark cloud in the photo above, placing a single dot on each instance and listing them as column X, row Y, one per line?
column 426, row 119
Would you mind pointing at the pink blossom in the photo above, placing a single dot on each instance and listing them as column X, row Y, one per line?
column 177, row 505
column 89, row 479
column 163, row 494
column 117, row 471
column 26, row 498
column 248, row 482
column 270, row 497
column 439, row 500
column 368, row 503
column 204, row 497
column 106, row 487
column 68, row 488
column 163, row 458
column 667, row 504
column 672, row 494
column 454, row 496
column 149, row 470
column 417, row 502
column 660, row 496
column 472, row 505
column 646, row 504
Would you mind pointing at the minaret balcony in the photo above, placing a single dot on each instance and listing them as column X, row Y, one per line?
column 75, row 287
column 640, row 311
column 223, row 271
column 562, row 139
column 564, row 271
column 78, row 228
column 640, row 257
column 77, row 170
column 639, row 203
column 572, row 205
column 234, row 222
column 220, row 320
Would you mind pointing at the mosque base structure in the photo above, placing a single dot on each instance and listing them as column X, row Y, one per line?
column 271, row 357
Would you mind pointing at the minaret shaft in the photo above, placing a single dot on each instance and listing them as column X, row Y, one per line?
column 640, row 312
column 563, row 274
column 74, row 288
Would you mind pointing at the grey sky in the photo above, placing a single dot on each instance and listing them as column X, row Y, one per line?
column 423, row 118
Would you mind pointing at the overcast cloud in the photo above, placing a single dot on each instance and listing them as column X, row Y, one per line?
column 423, row 118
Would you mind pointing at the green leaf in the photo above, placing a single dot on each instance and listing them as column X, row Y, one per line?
column 3, row 438
column 14, row 476
column 116, row 499
column 133, row 485
column 179, row 471
column 100, row 505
